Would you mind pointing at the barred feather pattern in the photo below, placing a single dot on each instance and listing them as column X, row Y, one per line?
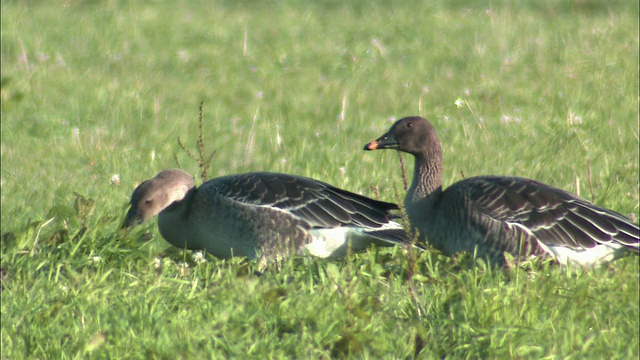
column 315, row 202
column 545, row 216
column 263, row 215
column 491, row 215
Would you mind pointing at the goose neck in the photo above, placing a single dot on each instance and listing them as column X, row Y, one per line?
column 427, row 178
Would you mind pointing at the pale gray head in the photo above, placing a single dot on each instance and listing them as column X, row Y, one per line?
column 155, row 195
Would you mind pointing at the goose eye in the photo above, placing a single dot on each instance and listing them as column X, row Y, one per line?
column 410, row 125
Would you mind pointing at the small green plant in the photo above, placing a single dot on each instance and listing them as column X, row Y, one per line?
column 203, row 161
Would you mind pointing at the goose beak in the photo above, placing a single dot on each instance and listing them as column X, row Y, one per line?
column 132, row 219
column 371, row 146
column 384, row 142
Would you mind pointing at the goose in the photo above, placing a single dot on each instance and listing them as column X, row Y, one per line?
column 262, row 215
column 491, row 215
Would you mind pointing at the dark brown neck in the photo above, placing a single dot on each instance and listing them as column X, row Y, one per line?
column 427, row 175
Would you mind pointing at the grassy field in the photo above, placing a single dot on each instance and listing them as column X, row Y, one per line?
column 96, row 93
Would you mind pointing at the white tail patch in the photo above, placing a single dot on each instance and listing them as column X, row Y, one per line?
column 596, row 255
column 334, row 242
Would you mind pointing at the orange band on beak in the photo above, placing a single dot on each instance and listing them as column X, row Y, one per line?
column 372, row 145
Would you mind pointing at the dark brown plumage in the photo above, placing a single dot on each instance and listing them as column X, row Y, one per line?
column 490, row 215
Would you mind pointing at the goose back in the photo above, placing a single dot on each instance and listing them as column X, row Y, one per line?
column 492, row 215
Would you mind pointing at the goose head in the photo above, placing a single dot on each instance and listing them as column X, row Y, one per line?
column 154, row 195
column 414, row 135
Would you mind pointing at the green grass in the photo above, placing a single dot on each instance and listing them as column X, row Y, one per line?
column 552, row 94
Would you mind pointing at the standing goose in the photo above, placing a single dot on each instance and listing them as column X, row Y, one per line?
column 494, row 214
column 263, row 215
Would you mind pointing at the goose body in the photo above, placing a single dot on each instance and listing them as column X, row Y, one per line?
column 491, row 215
column 263, row 215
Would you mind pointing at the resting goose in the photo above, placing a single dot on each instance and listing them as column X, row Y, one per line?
column 263, row 215
column 490, row 215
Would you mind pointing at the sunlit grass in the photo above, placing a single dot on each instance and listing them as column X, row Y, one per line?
column 95, row 95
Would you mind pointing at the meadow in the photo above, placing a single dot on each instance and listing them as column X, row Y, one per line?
column 95, row 94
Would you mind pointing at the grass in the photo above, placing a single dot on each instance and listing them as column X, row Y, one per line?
column 95, row 89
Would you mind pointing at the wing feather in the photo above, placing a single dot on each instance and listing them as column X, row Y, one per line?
column 318, row 203
column 552, row 216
